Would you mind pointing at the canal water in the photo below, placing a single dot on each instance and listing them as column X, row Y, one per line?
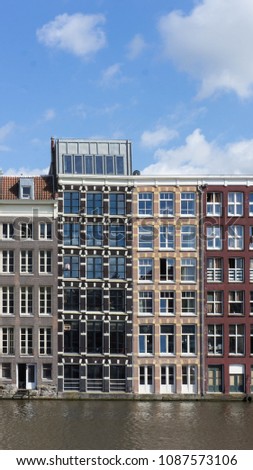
column 108, row 425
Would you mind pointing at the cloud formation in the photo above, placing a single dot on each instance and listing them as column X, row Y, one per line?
column 77, row 34
column 199, row 157
column 5, row 131
column 112, row 75
column 136, row 47
column 26, row 171
column 213, row 44
column 159, row 136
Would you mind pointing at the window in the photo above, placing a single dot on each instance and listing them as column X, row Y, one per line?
column 215, row 303
column 214, row 238
column 251, row 339
column 117, row 378
column 71, row 377
column 188, row 270
column 94, row 378
column 45, row 300
column 188, row 303
column 47, row 371
column 26, row 300
column 71, row 202
column 94, row 234
column 78, row 164
column 167, row 204
column 251, row 302
column 45, row 262
column 145, row 204
column 109, row 165
column 7, row 340
column 188, row 339
column 71, row 266
column 7, row 297
column 146, row 237
column 99, row 165
column 146, row 303
column 71, row 299
column 167, row 339
column 26, row 341
column 117, row 267
column 117, row 204
column 251, row 238
column 146, row 339
column 187, row 204
column 95, row 300
column 94, row 267
column 214, row 204
column 235, row 204
column 117, row 300
column 67, row 160
column 26, row 231
column 120, row 165
column 146, row 379
column 94, row 337
column 5, row 370
column 117, row 337
column 167, row 237
column 168, row 379
column 189, row 379
column 235, row 237
column 26, row 188
column 45, row 341
column 188, row 237
column 26, row 261
column 71, row 234
column 7, row 231
column 251, row 204
column 214, row 270
column 45, row 231
column 167, row 269
column 215, row 340
column 236, row 340
column 71, row 336
column 167, row 303
column 7, row 261
column 236, row 303
column 146, row 269
column 88, row 162
column 117, row 236
column 235, row 270
column 94, row 203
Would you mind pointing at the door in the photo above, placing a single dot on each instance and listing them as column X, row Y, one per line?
column 146, row 379
column 27, row 376
column 215, row 379
column 189, row 379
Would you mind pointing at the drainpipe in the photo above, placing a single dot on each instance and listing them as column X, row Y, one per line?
column 202, row 289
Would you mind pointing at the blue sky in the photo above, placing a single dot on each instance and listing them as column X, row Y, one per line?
column 173, row 76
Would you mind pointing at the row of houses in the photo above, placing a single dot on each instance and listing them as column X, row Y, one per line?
column 122, row 283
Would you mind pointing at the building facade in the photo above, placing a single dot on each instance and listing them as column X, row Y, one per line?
column 112, row 282
column 28, row 285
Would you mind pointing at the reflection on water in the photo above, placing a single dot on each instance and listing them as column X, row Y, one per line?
column 125, row 425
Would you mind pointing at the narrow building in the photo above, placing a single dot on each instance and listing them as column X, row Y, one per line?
column 94, row 265
column 28, row 286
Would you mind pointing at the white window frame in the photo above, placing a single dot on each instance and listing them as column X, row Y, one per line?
column 146, row 298
column 145, row 204
column 188, row 270
column 147, row 336
column 26, row 341
column 250, row 204
column 45, row 231
column 45, row 262
column 235, row 204
column 167, row 379
column 237, row 335
column 7, row 297
column 9, row 235
column 26, row 231
column 188, row 297
column 214, row 237
column 26, row 301
column 188, row 237
column 45, row 300
column 169, row 338
column 166, row 204
column 214, row 205
column 236, row 298
column 214, row 270
column 7, row 262
column 167, row 303
column 215, row 340
column 7, row 341
column 146, row 267
column 235, row 269
column 235, row 237
column 26, row 262
column 188, row 204
column 187, row 337
column 215, row 301
column 167, row 237
column 146, row 231
column 45, row 341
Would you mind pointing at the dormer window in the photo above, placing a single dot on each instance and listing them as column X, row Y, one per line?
column 26, row 189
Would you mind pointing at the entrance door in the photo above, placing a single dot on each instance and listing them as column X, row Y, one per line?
column 189, row 379
column 27, row 376
column 215, row 379
column 236, row 378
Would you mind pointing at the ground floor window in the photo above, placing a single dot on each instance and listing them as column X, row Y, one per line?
column 215, row 378
column 94, row 378
column 236, row 378
column 189, row 379
column 146, row 379
column 71, row 377
column 168, row 379
column 117, row 378
column 5, row 370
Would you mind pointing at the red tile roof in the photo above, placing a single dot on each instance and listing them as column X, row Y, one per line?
column 43, row 187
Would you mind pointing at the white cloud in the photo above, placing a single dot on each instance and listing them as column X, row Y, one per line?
column 6, row 130
column 136, row 47
column 158, row 137
column 112, row 75
column 213, row 44
column 26, row 171
column 198, row 156
column 49, row 114
column 78, row 34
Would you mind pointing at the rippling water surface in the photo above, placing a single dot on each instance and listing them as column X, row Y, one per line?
column 125, row 425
